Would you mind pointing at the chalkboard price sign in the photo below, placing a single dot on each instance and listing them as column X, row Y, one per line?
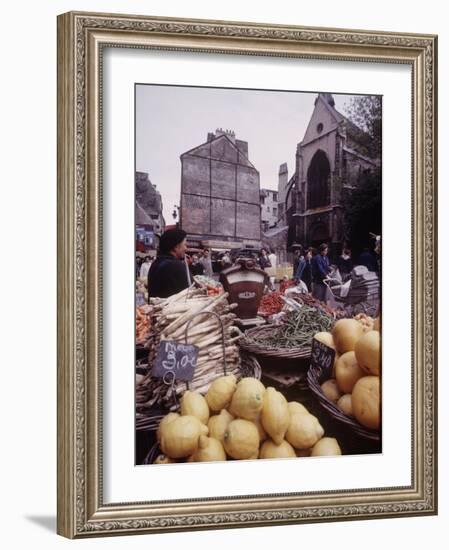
column 175, row 361
column 322, row 356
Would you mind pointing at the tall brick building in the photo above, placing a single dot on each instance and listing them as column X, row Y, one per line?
column 220, row 193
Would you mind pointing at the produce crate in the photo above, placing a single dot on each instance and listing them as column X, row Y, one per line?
column 315, row 377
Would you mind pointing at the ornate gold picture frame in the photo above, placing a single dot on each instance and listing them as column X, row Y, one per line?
column 82, row 40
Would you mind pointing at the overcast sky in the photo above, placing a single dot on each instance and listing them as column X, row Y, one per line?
column 170, row 120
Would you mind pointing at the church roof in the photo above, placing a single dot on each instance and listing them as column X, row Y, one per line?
column 353, row 132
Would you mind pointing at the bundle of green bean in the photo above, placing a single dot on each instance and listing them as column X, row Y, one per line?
column 297, row 330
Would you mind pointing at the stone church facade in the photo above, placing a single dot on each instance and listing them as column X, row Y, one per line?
column 329, row 161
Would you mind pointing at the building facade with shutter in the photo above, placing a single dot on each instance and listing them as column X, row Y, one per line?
column 268, row 208
column 149, row 221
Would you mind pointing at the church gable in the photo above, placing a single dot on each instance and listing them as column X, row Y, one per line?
column 324, row 118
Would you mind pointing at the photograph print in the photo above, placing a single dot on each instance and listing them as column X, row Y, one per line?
column 258, row 271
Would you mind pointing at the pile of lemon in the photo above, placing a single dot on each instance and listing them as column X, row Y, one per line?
column 241, row 421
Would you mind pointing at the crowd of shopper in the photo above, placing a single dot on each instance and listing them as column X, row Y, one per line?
column 173, row 268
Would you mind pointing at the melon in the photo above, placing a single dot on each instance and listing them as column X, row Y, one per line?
column 366, row 401
column 346, row 333
column 367, row 352
column 345, row 404
column 348, row 371
column 331, row 390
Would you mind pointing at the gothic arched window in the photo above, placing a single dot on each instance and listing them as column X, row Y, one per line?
column 318, row 181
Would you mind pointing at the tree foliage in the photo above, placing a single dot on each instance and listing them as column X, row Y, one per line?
column 365, row 111
column 363, row 210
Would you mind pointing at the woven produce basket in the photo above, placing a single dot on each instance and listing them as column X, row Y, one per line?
column 315, row 377
column 149, row 420
column 259, row 349
column 153, row 453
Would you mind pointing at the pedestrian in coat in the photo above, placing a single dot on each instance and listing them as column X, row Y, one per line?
column 169, row 273
column 320, row 270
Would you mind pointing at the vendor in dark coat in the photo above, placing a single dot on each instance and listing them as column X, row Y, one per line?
column 169, row 274
column 320, row 270
column 304, row 271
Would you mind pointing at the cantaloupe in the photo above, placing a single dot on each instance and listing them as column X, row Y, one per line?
column 331, row 390
column 346, row 332
column 367, row 352
column 366, row 401
column 345, row 404
column 347, row 372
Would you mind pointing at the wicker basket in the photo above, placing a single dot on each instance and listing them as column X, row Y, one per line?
column 149, row 421
column 153, row 453
column 315, row 377
column 259, row 349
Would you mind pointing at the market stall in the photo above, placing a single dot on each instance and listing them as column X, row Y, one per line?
column 263, row 391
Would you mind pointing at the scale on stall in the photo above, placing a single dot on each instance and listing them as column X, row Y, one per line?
column 245, row 283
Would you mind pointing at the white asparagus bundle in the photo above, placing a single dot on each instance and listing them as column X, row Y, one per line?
column 189, row 315
column 191, row 309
